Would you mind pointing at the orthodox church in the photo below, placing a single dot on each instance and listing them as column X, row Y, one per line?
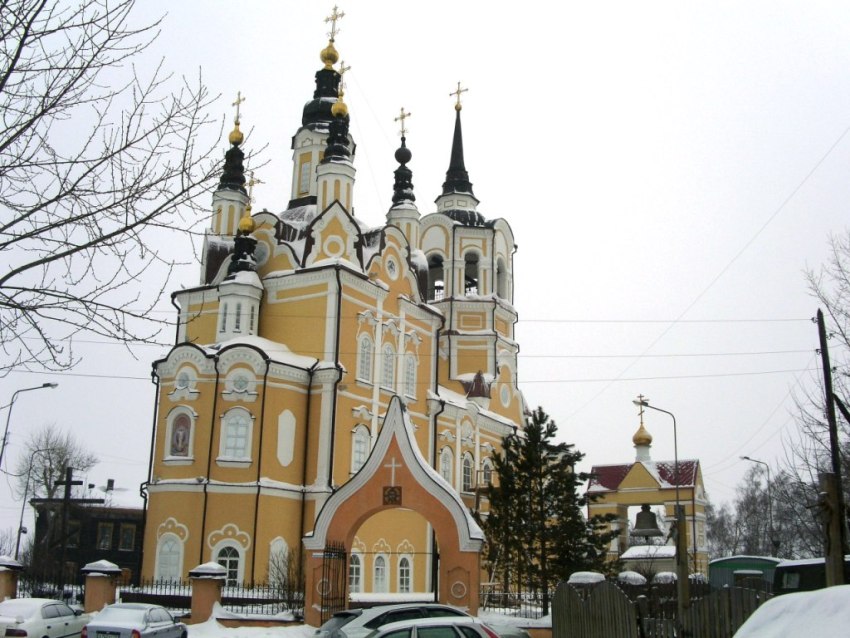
column 309, row 327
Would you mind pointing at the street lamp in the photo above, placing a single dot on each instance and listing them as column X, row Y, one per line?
column 682, row 594
column 773, row 540
column 9, row 413
column 24, row 503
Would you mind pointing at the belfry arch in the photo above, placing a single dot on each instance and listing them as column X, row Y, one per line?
column 396, row 475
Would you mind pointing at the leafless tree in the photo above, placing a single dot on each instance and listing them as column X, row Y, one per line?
column 98, row 163
column 42, row 462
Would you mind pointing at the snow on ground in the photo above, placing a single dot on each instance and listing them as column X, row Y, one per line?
column 213, row 629
column 823, row 613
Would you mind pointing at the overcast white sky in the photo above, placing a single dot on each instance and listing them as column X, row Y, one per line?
column 669, row 170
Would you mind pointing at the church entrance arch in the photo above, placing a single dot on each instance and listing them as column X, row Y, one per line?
column 397, row 476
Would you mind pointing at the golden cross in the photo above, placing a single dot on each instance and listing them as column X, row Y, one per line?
column 641, row 400
column 332, row 18
column 251, row 183
column 401, row 118
column 342, row 71
column 457, row 93
column 239, row 100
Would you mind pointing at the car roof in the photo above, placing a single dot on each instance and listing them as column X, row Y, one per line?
column 377, row 610
column 429, row 622
column 135, row 606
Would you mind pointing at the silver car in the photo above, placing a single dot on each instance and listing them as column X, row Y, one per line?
column 134, row 620
column 40, row 618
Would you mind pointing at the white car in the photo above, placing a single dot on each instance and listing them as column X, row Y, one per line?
column 40, row 618
column 134, row 620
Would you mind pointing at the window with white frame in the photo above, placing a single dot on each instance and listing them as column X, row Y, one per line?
column 359, row 447
column 404, row 575
column 364, row 358
column 446, row 461
column 468, row 473
column 470, row 273
column 228, row 557
column 236, row 435
column 487, row 471
column 355, row 567
column 388, row 367
column 169, row 558
column 379, row 584
column 410, row 375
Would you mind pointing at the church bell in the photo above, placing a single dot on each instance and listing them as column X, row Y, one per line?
column 646, row 523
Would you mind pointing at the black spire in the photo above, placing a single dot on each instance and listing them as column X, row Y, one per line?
column 317, row 112
column 233, row 175
column 457, row 179
column 403, row 189
column 244, row 244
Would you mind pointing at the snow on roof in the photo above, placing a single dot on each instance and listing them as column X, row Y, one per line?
column 631, row 578
column 585, row 578
column 664, row 577
column 460, row 401
column 275, row 350
column 741, row 557
column 208, row 570
column 649, row 551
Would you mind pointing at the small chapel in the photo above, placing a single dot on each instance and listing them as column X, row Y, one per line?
column 336, row 376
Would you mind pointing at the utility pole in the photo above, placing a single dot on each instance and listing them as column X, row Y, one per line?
column 830, row 482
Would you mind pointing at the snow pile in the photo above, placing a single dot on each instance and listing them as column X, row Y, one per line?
column 585, row 578
column 825, row 612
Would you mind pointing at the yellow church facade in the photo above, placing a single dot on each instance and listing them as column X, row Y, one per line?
column 305, row 325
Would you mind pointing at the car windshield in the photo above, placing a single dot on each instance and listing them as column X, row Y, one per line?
column 18, row 607
column 121, row 614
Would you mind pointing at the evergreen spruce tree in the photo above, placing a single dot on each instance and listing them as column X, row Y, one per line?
column 536, row 529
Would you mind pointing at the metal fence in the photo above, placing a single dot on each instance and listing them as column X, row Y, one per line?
column 32, row 587
column 265, row 600
column 520, row 604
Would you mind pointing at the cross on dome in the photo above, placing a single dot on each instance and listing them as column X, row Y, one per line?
column 237, row 103
column 401, row 118
column 457, row 93
column 332, row 18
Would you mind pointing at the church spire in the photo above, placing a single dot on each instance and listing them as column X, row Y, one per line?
column 403, row 188
column 338, row 139
column 233, row 175
column 457, row 179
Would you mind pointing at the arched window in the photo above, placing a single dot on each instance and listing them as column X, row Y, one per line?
column 404, row 575
column 380, row 581
column 236, row 436
column 354, row 574
column 487, row 471
column 388, row 368
column 436, row 278
column 280, row 563
column 228, row 557
column 470, row 273
column 359, row 447
column 410, row 375
column 501, row 279
column 364, row 359
column 169, row 558
column 446, row 461
column 237, row 321
column 468, row 473
column 223, row 312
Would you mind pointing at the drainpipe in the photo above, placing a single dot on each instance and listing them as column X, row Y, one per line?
column 259, row 469
column 336, row 383
column 143, row 488
column 310, row 371
column 209, row 462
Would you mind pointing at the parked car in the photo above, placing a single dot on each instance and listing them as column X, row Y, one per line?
column 40, row 618
column 357, row 623
column 134, row 620
column 824, row 612
column 445, row 627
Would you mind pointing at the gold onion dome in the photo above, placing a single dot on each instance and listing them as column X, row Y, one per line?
column 642, row 436
column 247, row 225
column 339, row 108
column 329, row 55
column 236, row 135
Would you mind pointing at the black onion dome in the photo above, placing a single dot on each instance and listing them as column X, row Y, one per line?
column 403, row 188
column 317, row 112
column 337, row 145
column 457, row 179
column 242, row 259
column 233, row 176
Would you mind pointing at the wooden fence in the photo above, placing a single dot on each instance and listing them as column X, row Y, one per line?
column 604, row 611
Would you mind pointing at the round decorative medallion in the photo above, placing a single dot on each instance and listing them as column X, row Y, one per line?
column 392, row 269
column 505, row 395
column 182, row 381
column 458, row 589
column 240, row 383
column 334, row 246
